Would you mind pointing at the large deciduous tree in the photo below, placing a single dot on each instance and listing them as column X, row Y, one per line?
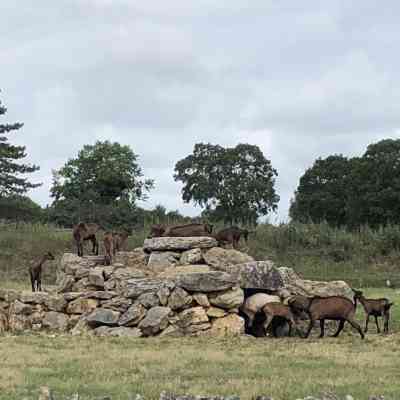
column 12, row 181
column 235, row 184
column 102, row 179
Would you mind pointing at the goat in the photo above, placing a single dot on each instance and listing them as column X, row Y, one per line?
column 232, row 235
column 376, row 308
column 83, row 232
column 255, row 304
column 119, row 240
column 272, row 310
column 335, row 308
column 187, row 230
column 35, row 272
column 108, row 242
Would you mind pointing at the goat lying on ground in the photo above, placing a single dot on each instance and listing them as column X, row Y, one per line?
column 83, row 232
column 119, row 240
column 35, row 272
column 108, row 243
column 335, row 308
column 187, row 230
column 375, row 307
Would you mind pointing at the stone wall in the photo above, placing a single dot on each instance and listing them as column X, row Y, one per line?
column 171, row 287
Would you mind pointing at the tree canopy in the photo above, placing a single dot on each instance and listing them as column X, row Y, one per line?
column 12, row 181
column 233, row 184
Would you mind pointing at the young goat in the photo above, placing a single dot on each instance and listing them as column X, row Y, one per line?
column 376, row 308
column 35, row 272
column 272, row 310
column 335, row 308
column 108, row 242
column 119, row 240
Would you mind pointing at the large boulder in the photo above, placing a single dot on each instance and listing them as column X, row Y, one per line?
column 56, row 303
column 133, row 315
column 194, row 256
column 156, row 320
column 65, row 284
column 229, row 325
column 82, row 306
column 55, row 321
column 206, row 282
column 179, row 243
column 192, row 316
column 173, row 272
column 120, row 304
column 255, row 275
column 96, row 277
column 136, row 287
column 160, row 260
column 135, row 259
column 102, row 316
column 179, row 299
column 219, row 258
column 228, row 299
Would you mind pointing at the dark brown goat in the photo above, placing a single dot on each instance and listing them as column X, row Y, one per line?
column 232, row 235
column 376, row 308
column 335, row 308
column 35, row 272
column 181, row 230
column 119, row 240
column 108, row 242
column 83, row 232
column 272, row 310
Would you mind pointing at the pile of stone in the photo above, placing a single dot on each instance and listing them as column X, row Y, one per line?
column 170, row 287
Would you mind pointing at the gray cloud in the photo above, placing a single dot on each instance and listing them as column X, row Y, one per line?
column 301, row 80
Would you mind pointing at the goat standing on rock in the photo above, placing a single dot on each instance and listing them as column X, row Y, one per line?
column 375, row 307
column 108, row 242
column 83, row 232
column 335, row 308
column 35, row 272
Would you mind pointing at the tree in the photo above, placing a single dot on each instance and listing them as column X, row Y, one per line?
column 104, row 179
column 20, row 208
column 237, row 184
column 11, row 181
column 322, row 193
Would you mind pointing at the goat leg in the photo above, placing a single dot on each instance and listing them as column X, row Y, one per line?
column 341, row 326
column 366, row 324
column 267, row 322
column 310, row 326
column 356, row 326
column 322, row 326
column 377, row 324
column 32, row 281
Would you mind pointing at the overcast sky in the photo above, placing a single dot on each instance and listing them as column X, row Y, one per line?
column 300, row 79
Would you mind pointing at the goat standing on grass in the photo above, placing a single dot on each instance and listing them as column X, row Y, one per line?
column 375, row 307
column 335, row 308
column 35, row 272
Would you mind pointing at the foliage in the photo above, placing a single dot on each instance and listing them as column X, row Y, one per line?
column 20, row 208
column 233, row 184
column 11, row 181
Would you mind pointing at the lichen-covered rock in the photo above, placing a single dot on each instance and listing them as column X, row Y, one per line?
column 172, row 331
column 69, row 259
column 21, row 308
column 56, row 303
column 192, row 316
column 33, row 297
column 179, row 299
column 96, row 277
column 173, row 272
column 55, row 321
column 100, row 295
column 117, row 332
column 120, row 304
column 102, row 316
column 133, row 315
column 179, row 243
column 231, row 298
column 127, row 273
column 69, row 296
column 82, row 306
column 194, row 329
column 160, row 260
column 65, row 284
column 232, row 324
column 201, row 299
column 81, row 327
column 156, row 320
column 194, row 256
column 81, row 272
column 149, row 300
column 163, row 295
column 136, row 287
column 206, row 282
column 215, row 312
column 136, row 258
column 219, row 258
column 256, row 275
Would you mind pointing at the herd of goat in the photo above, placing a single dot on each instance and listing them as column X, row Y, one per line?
column 316, row 308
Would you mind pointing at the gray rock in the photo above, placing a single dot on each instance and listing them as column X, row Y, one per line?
column 136, row 287
column 136, row 258
column 229, row 325
column 159, row 260
column 128, row 273
column 96, row 277
column 149, row 300
column 179, row 243
column 120, row 304
column 194, row 256
column 201, row 299
column 69, row 296
column 206, row 282
column 172, row 331
column 215, row 312
column 156, row 320
column 33, row 297
column 117, row 332
column 21, row 308
column 100, row 295
column 192, row 329
column 133, row 315
column 179, row 299
column 82, row 306
column 65, row 284
column 102, row 316
column 55, row 321
column 231, row 298
column 56, row 303
column 163, row 295
column 219, row 258
column 192, row 316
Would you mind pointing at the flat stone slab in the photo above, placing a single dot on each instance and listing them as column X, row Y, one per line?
column 205, row 281
column 179, row 243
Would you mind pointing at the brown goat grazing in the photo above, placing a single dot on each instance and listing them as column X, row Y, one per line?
column 376, row 308
column 35, row 272
column 83, row 232
column 335, row 308
column 272, row 310
column 108, row 242
column 232, row 236
column 180, row 230
column 119, row 240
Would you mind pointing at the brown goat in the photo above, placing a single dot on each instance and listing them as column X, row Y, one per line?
column 119, row 240
column 108, row 242
column 35, row 272
column 272, row 310
column 180, row 230
column 232, row 236
column 376, row 308
column 83, row 232
column 335, row 308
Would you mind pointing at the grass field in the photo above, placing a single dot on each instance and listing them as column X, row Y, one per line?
column 284, row 368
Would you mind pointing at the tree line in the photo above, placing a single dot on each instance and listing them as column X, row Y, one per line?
column 104, row 183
